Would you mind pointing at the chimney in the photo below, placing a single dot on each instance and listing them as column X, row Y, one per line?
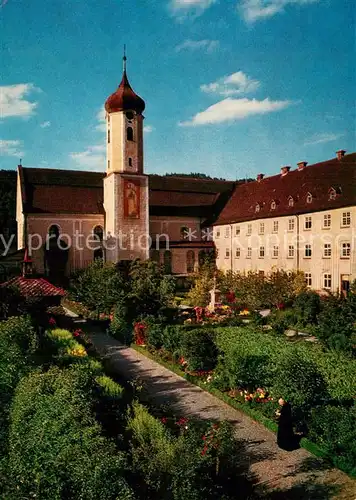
column 302, row 165
column 27, row 265
column 285, row 170
column 260, row 177
column 340, row 154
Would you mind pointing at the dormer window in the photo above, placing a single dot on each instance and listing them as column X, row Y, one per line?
column 257, row 208
column 291, row 201
column 309, row 198
column 273, row 205
column 332, row 193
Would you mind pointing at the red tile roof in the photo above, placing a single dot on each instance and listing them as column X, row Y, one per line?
column 315, row 179
column 34, row 287
column 71, row 191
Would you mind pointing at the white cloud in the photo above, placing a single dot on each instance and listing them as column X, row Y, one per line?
column 235, row 109
column 93, row 158
column 45, row 124
column 11, row 148
column 148, row 129
column 13, row 100
column 205, row 45
column 321, row 138
column 101, row 119
column 185, row 7
column 254, row 10
column 237, row 83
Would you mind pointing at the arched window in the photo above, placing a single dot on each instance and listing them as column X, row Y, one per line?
column 155, row 256
column 129, row 134
column 130, row 162
column 273, row 205
column 309, row 198
column 98, row 233
column 257, row 208
column 190, row 261
column 167, row 262
column 290, row 201
column 53, row 231
column 202, row 258
column 184, row 231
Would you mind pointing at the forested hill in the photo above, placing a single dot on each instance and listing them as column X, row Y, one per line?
column 7, row 199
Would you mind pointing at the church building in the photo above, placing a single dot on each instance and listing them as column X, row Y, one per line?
column 302, row 219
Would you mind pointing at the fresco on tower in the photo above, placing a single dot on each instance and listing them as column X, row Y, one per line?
column 131, row 199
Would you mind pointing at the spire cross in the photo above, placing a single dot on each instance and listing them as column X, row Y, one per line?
column 124, row 58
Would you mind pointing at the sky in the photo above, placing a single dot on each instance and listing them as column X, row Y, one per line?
column 232, row 88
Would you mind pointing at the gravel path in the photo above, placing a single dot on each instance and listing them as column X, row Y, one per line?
column 298, row 474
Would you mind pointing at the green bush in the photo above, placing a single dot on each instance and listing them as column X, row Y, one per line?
column 333, row 428
column 186, row 467
column 56, row 447
column 155, row 334
column 336, row 322
column 172, row 338
column 121, row 327
column 199, row 350
column 280, row 321
column 307, row 307
column 299, row 380
column 109, row 388
column 248, row 357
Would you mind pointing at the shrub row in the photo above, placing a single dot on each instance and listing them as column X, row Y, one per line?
column 319, row 384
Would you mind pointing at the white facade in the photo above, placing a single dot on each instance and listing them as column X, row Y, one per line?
column 321, row 244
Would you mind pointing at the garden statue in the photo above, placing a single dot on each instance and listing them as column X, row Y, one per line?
column 215, row 297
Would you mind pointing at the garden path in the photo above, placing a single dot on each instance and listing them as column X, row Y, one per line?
column 296, row 475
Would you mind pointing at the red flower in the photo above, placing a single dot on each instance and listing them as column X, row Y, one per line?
column 52, row 322
column 163, row 420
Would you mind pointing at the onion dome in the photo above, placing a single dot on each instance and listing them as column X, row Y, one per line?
column 124, row 99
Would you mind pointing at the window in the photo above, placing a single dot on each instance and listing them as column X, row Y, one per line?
column 275, row 226
column 308, row 279
column 262, row 252
column 237, row 230
column 217, row 234
column 261, row 274
column 291, row 251
column 249, row 252
column 227, row 232
column 345, row 250
column 291, row 224
column 249, row 229
column 290, row 201
column 332, row 194
column 184, row 231
column 309, row 198
column 130, row 162
column 273, row 205
column 346, row 219
column 327, row 221
column 327, row 280
column 258, row 208
column 155, row 256
column 108, row 164
column 129, row 134
column 238, row 252
column 227, row 253
column 108, row 136
column 327, row 250
column 190, row 261
column 167, row 262
column 307, row 222
column 308, row 251
column 53, row 231
column 262, row 228
column 275, row 251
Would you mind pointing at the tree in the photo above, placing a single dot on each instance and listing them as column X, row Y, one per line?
column 99, row 287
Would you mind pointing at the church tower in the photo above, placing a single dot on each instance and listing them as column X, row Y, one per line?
column 125, row 184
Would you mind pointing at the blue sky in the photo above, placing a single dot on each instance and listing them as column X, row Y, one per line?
column 232, row 88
